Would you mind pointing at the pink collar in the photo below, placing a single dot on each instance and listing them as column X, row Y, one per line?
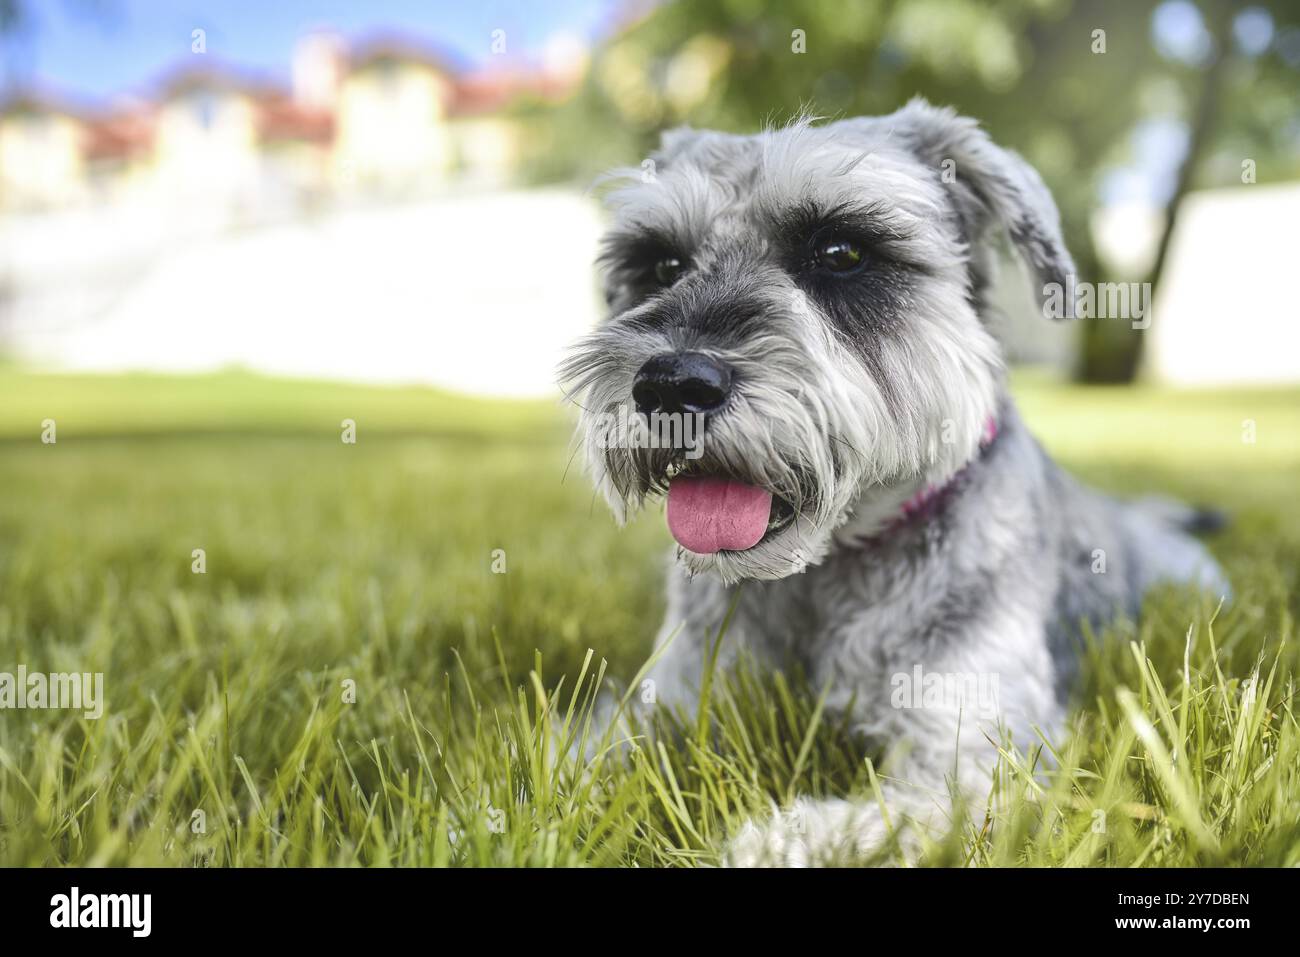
column 925, row 500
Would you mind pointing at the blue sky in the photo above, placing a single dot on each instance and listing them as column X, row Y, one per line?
column 95, row 49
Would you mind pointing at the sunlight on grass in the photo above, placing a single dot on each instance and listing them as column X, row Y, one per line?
column 229, row 737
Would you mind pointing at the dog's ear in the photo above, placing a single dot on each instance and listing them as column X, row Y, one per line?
column 992, row 186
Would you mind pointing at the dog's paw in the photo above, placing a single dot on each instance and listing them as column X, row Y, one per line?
column 812, row 834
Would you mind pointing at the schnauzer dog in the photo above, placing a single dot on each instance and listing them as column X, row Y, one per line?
column 817, row 297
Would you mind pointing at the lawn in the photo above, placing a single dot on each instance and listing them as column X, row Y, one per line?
column 389, row 635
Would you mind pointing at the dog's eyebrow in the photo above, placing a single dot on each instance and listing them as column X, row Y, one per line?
column 871, row 221
column 637, row 240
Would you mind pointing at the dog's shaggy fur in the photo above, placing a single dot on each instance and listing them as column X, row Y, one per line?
column 851, row 395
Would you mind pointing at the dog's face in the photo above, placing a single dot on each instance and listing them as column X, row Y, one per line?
column 812, row 296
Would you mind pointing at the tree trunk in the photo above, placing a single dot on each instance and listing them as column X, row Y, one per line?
column 1111, row 351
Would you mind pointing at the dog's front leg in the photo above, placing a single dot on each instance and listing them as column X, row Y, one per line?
column 841, row 832
column 690, row 641
column 812, row 833
column 915, row 799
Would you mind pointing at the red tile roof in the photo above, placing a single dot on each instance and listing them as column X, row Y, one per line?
column 490, row 91
column 281, row 118
column 120, row 135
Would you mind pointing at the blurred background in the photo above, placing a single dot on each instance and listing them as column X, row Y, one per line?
column 282, row 290
column 326, row 190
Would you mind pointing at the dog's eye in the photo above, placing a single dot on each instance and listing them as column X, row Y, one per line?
column 668, row 269
column 838, row 255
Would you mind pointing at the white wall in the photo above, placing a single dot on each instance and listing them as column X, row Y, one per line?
column 1227, row 311
column 479, row 293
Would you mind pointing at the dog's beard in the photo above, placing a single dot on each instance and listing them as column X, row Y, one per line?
column 806, row 490
column 802, row 441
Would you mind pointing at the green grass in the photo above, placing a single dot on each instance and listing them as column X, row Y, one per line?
column 371, row 563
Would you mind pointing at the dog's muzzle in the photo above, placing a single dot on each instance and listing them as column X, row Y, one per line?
column 707, row 512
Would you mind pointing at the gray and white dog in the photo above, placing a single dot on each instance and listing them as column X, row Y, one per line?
column 818, row 295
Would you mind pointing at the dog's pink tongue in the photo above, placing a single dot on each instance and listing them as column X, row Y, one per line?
column 707, row 515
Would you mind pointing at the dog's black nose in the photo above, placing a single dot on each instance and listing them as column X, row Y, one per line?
column 684, row 382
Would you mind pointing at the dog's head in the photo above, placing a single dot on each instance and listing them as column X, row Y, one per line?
column 812, row 296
